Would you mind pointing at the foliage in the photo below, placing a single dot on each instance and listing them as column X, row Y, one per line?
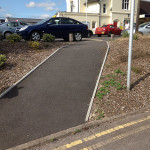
column 125, row 34
column 110, row 82
column 2, row 60
column 14, row 37
column 1, row 37
column 136, row 70
column 34, row 45
column 100, row 114
column 135, row 37
column 48, row 38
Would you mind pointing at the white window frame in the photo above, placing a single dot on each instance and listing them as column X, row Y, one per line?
column 125, row 4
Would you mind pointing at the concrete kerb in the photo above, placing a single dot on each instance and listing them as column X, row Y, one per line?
column 11, row 87
column 83, row 127
column 97, row 83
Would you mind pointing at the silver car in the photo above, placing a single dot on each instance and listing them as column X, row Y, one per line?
column 143, row 28
column 7, row 28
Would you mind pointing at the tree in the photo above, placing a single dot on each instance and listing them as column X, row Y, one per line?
column 137, row 15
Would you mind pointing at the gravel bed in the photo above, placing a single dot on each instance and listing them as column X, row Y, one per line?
column 116, row 99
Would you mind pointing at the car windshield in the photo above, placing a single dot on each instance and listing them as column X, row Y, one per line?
column 104, row 26
column 42, row 21
column 144, row 24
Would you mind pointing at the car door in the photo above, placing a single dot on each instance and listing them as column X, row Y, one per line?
column 69, row 26
column 112, row 29
column 145, row 30
column 53, row 26
column 12, row 26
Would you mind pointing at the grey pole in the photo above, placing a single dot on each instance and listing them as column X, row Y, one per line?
column 130, row 45
column 86, row 11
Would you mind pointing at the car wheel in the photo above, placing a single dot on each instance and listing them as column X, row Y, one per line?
column 99, row 35
column 109, row 35
column 35, row 36
column 6, row 34
column 77, row 36
column 89, row 35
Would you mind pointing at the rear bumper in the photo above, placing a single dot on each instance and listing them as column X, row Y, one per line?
column 101, row 32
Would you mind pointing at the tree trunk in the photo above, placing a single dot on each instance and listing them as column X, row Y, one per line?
column 137, row 15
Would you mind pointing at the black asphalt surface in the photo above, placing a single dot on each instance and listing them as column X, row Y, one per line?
column 54, row 97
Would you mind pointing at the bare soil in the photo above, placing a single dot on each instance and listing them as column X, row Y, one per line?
column 21, row 58
column 116, row 99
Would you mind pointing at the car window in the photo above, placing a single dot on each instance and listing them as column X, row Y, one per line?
column 111, row 26
column 104, row 26
column 69, row 21
column 144, row 24
column 23, row 24
column 12, row 24
column 54, row 21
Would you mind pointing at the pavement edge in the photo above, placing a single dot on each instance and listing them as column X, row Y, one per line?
column 83, row 127
column 97, row 83
column 11, row 87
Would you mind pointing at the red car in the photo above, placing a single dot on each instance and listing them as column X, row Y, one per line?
column 108, row 30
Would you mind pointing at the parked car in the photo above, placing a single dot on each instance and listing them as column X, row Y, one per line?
column 144, row 28
column 60, row 27
column 7, row 28
column 108, row 30
column 90, row 33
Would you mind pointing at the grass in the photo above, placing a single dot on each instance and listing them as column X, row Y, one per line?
column 112, row 81
column 100, row 114
column 76, row 131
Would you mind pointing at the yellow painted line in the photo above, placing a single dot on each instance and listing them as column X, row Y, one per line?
column 73, row 144
column 64, row 147
column 115, row 138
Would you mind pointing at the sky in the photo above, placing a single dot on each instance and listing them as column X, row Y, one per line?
column 39, row 9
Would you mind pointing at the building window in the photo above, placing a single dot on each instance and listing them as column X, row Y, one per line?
column 104, row 8
column 125, row 4
column 93, row 24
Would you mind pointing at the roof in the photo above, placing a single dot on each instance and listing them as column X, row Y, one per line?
column 145, row 7
column 26, row 20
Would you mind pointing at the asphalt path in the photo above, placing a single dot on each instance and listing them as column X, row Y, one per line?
column 54, row 97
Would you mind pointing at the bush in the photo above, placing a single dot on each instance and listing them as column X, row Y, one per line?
column 14, row 37
column 1, row 37
column 34, row 45
column 48, row 38
column 2, row 60
column 135, row 37
column 125, row 34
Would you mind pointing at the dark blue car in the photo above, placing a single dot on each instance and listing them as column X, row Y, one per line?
column 60, row 27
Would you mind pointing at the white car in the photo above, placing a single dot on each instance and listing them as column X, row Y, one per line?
column 143, row 28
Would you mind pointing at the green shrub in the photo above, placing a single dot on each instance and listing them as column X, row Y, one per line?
column 1, row 37
column 48, row 38
column 125, row 34
column 34, row 45
column 14, row 37
column 135, row 37
column 2, row 60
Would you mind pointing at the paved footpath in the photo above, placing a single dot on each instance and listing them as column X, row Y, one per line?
column 54, row 97
column 127, row 133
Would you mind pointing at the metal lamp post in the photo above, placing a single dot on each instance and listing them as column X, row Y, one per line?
column 130, row 45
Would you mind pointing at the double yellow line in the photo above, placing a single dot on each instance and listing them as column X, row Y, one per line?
column 75, row 143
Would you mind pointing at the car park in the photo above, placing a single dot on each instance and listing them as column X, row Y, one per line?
column 7, row 28
column 60, row 27
column 144, row 29
column 108, row 30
